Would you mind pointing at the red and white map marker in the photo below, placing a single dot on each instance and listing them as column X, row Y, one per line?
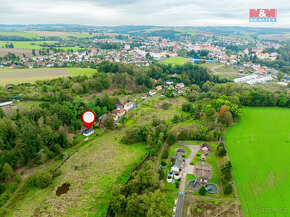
column 89, row 118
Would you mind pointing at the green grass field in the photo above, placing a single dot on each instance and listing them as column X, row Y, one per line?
column 18, row 76
column 175, row 61
column 261, row 166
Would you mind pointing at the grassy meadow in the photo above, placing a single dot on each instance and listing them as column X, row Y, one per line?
column 101, row 163
column 258, row 147
column 18, row 76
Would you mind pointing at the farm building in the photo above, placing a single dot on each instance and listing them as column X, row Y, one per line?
column 3, row 104
column 176, row 163
column 88, row 132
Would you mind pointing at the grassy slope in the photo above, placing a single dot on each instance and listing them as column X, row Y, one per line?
column 261, row 168
column 103, row 161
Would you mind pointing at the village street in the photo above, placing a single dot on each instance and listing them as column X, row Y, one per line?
column 187, row 169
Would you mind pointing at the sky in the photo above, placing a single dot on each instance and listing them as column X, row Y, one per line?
column 141, row 12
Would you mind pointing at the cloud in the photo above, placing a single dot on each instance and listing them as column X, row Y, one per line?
column 139, row 12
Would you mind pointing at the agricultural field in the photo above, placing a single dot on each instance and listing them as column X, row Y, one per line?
column 26, row 44
column 17, row 52
column 91, row 172
column 18, row 76
column 175, row 61
column 258, row 146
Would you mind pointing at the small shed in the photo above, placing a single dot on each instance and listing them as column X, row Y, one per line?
column 88, row 132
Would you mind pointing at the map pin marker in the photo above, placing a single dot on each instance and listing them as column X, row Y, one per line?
column 89, row 118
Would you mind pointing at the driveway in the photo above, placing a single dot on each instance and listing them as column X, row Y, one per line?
column 187, row 169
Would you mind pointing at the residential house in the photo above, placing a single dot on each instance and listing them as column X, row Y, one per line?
column 176, row 163
column 115, row 117
column 101, row 118
column 152, row 92
column 169, row 82
column 174, row 75
column 121, row 112
column 158, row 87
column 119, row 107
column 179, row 85
column 128, row 105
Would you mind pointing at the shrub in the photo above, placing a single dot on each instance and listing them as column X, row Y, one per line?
column 177, row 184
column 222, row 151
column 216, row 202
column 198, row 210
column 43, row 179
column 17, row 179
column 57, row 173
column 165, row 153
column 7, row 171
column 171, row 139
column 187, row 107
column 2, row 188
column 228, row 188
column 163, row 163
column 202, row 191
column 166, row 105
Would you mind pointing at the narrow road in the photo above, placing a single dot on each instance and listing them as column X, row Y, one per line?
column 187, row 169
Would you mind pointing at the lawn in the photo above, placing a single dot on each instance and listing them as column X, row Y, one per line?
column 258, row 147
column 175, row 61
column 103, row 162
column 18, row 76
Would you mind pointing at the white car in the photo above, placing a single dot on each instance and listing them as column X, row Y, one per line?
column 175, row 202
column 174, row 209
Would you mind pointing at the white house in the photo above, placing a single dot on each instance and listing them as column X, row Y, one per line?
column 128, row 105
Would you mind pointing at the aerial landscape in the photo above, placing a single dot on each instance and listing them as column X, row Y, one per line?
column 142, row 109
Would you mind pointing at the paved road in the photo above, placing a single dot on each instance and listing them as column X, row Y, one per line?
column 187, row 169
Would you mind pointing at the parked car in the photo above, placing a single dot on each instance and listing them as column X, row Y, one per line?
column 174, row 209
column 175, row 202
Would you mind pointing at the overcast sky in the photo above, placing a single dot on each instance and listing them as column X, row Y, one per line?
column 141, row 12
